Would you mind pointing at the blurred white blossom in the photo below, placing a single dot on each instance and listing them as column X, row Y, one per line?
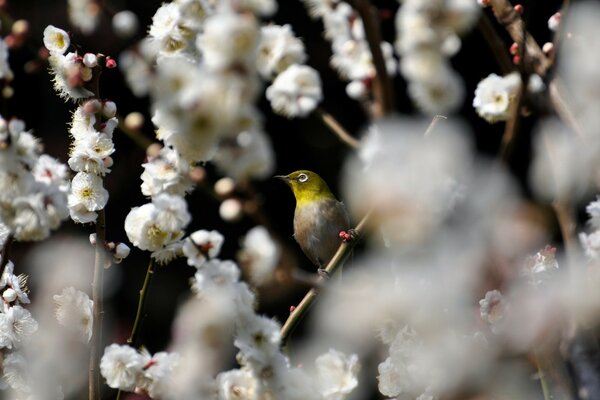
column 295, row 92
column 74, row 311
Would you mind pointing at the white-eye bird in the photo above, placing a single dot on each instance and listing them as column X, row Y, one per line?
column 319, row 217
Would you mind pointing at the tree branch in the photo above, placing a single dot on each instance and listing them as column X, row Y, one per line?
column 336, row 262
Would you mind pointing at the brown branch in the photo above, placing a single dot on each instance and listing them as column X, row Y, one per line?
column 382, row 85
column 336, row 262
column 100, row 262
column 535, row 61
column 496, row 44
column 512, row 125
column 337, row 128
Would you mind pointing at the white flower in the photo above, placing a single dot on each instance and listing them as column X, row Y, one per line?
column 84, row 14
column 56, row 40
column 121, row 252
column 16, row 326
column 441, row 95
column 249, row 155
column 89, row 153
column 156, row 374
column 260, row 254
column 295, row 92
column 87, row 195
column 74, row 309
column 492, row 309
column 122, row 366
column 215, row 273
column 258, row 339
column 494, row 96
column 337, row 374
column 543, row 262
column 143, row 226
column 591, row 244
column 172, row 212
column 166, row 173
column 125, row 24
column 278, row 49
column 50, row 171
column 228, row 39
column 202, row 245
column 168, row 252
column 237, row 384
column 70, row 75
column 390, row 378
column 16, row 283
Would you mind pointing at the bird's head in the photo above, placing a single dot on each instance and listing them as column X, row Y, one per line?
column 307, row 186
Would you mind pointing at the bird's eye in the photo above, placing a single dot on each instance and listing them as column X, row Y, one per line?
column 302, row 178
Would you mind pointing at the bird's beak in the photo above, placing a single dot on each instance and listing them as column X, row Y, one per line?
column 284, row 178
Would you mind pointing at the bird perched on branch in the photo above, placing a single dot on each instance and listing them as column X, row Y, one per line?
column 320, row 220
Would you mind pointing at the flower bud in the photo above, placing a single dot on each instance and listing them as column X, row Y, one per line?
column 9, row 295
column 231, row 210
column 109, row 109
column 90, row 60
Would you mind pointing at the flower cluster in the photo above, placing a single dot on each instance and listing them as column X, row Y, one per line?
column 17, row 327
column 127, row 369
column 351, row 54
column 91, row 129
column 265, row 371
column 158, row 226
column 427, row 35
column 33, row 197
column 71, row 71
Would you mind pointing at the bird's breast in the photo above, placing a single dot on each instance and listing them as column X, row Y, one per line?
column 317, row 226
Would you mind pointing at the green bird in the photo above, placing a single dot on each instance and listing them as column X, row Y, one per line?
column 320, row 220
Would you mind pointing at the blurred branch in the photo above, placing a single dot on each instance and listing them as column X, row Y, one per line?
column 343, row 252
column 562, row 108
column 97, row 297
column 135, row 331
column 552, row 373
column 136, row 136
column 496, row 44
column 534, row 61
column 382, row 85
column 5, row 252
column 337, row 128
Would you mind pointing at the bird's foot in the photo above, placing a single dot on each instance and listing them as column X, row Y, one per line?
column 323, row 273
column 349, row 235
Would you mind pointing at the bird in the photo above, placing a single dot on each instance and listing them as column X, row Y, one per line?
column 321, row 222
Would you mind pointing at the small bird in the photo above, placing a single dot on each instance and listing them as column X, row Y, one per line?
column 320, row 220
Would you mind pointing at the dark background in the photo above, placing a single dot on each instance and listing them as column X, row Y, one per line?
column 299, row 144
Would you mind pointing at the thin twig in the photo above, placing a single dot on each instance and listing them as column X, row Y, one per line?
column 336, row 262
column 382, row 90
column 337, row 128
column 100, row 261
column 135, row 331
column 433, row 124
